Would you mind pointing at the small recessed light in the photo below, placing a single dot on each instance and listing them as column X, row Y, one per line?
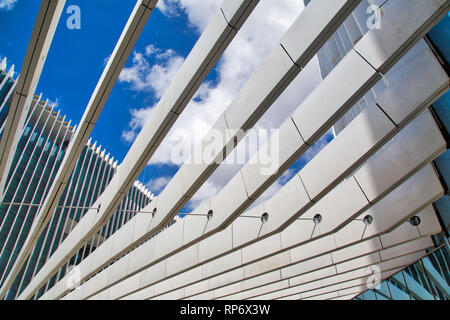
column 368, row 220
column 317, row 219
column 415, row 221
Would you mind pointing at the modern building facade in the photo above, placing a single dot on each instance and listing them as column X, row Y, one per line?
column 37, row 159
column 429, row 278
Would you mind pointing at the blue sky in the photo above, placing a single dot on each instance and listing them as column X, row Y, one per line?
column 77, row 57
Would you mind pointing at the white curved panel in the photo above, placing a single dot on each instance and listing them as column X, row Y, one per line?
column 208, row 49
column 265, row 85
column 420, row 180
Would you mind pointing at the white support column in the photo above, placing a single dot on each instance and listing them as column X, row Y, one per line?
column 3, row 64
column 9, row 74
column 44, row 29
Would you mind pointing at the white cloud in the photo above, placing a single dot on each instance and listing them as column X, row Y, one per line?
column 7, row 4
column 198, row 12
column 254, row 41
column 151, row 49
column 128, row 135
column 156, row 78
column 167, row 7
column 106, row 60
column 158, row 184
column 208, row 190
column 138, row 119
column 142, row 76
column 54, row 103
